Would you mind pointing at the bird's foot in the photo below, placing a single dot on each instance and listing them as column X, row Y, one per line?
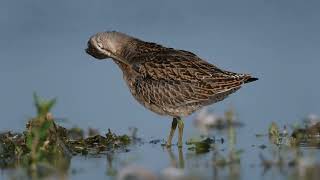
column 173, row 129
column 168, row 145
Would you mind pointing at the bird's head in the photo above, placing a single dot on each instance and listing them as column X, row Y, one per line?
column 107, row 44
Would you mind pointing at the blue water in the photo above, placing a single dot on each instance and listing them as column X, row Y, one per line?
column 42, row 49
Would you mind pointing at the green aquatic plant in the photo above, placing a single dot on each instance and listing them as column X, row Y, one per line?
column 274, row 130
column 274, row 133
column 45, row 147
column 43, row 106
column 201, row 145
column 42, row 139
column 307, row 136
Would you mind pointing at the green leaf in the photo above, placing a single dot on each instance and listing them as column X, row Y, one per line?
column 29, row 140
column 43, row 106
column 274, row 130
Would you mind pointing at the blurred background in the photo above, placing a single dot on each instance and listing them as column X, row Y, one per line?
column 42, row 50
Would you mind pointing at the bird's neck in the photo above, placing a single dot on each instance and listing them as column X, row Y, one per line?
column 122, row 66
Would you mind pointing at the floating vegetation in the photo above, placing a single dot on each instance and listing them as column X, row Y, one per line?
column 274, row 133
column 287, row 156
column 262, row 146
column 45, row 149
column 155, row 141
column 12, row 147
column 307, row 136
column 201, row 146
column 45, row 144
column 98, row 144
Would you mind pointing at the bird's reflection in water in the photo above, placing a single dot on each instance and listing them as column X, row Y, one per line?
column 173, row 159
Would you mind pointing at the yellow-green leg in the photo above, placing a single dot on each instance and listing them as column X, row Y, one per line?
column 180, row 128
column 173, row 129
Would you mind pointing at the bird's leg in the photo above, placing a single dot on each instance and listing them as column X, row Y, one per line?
column 180, row 127
column 173, row 129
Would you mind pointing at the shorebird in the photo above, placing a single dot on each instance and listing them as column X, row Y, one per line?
column 166, row 81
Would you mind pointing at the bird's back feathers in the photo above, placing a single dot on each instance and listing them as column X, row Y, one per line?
column 173, row 78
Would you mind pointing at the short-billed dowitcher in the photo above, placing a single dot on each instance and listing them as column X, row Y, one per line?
column 166, row 81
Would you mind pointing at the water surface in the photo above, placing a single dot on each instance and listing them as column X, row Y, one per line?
column 42, row 49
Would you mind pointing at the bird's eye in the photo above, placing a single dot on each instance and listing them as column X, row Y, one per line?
column 100, row 45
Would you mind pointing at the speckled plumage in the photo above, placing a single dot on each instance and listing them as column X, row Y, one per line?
column 166, row 81
column 173, row 82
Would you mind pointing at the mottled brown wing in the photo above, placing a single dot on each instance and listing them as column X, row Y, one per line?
column 163, row 93
column 178, row 78
column 184, row 66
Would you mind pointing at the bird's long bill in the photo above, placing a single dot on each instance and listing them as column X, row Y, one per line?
column 92, row 52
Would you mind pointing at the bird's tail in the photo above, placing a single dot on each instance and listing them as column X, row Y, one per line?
column 250, row 79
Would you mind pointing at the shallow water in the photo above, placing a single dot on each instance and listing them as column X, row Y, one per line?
column 186, row 163
column 42, row 49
